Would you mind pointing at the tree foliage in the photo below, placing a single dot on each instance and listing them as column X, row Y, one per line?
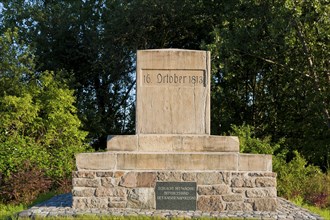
column 38, row 121
column 270, row 60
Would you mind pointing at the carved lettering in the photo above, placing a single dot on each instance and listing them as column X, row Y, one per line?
column 173, row 78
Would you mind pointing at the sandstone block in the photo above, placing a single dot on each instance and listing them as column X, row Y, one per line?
column 122, row 142
column 129, row 180
column 255, row 162
column 146, row 179
column 173, row 84
column 210, row 203
column 133, row 161
column 95, row 161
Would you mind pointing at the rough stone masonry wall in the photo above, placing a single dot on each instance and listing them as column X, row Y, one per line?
column 216, row 191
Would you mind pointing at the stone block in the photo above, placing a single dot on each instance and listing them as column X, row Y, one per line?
column 209, row 178
column 255, row 162
column 261, row 193
column 158, row 143
column 83, row 182
column 128, row 180
column 137, row 161
column 109, row 182
column 96, row 161
column 213, row 189
column 189, row 177
column 173, row 92
column 265, row 204
column 266, row 182
column 210, row 204
column 110, row 192
column 146, row 179
column 104, row 174
column 83, row 192
column 142, row 198
column 169, row 176
column 239, row 206
column 232, row 198
column 83, row 174
column 122, row 143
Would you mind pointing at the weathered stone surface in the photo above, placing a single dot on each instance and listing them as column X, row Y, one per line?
column 239, row 206
column 167, row 87
column 266, row 182
column 83, row 191
column 210, row 203
column 146, row 179
column 110, row 192
column 213, row 190
column 255, row 162
column 90, row 202
column 122, row 143
column 96, row 161
column 129, row 180
column 83, row 182
column 108, row 182
column 141, row 198
column 83, row 174
column 189, row 177
column 169, row 176
column 261, row 193
column 209, row 178
column 265, row 204
column 104, row 174
column 232, row 198
column 172, row 143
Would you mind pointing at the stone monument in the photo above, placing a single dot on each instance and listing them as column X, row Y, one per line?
column 173, row 162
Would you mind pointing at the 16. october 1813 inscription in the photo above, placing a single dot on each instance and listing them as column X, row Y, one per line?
column 176, row 195
column 173, row 78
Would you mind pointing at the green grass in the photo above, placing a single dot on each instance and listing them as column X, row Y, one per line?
column 9, row 211
column 325, row 212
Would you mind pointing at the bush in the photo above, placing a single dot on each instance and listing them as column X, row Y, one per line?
column 38, row 123
column 296, row 180
column 25, row 185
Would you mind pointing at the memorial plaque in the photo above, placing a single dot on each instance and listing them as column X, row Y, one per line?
column 176, row 195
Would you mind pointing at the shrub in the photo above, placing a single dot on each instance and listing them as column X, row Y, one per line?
column 25, row 185
column 296, row 179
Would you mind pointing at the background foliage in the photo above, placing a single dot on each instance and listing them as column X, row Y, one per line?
column 72, row 62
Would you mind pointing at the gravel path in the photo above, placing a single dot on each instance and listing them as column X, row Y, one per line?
column 61, row 206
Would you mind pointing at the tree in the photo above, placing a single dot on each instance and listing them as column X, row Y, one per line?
column 38, row 121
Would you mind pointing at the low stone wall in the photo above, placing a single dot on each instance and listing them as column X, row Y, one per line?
column 216, row 191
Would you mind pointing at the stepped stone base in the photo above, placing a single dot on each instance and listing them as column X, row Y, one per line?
column 127, row 175
column 216, row 190
column 173, row 161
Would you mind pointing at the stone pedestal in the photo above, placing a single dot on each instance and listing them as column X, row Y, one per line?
column 173, row 152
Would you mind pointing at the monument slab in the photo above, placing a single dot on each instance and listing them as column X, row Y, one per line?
column 173, row 92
